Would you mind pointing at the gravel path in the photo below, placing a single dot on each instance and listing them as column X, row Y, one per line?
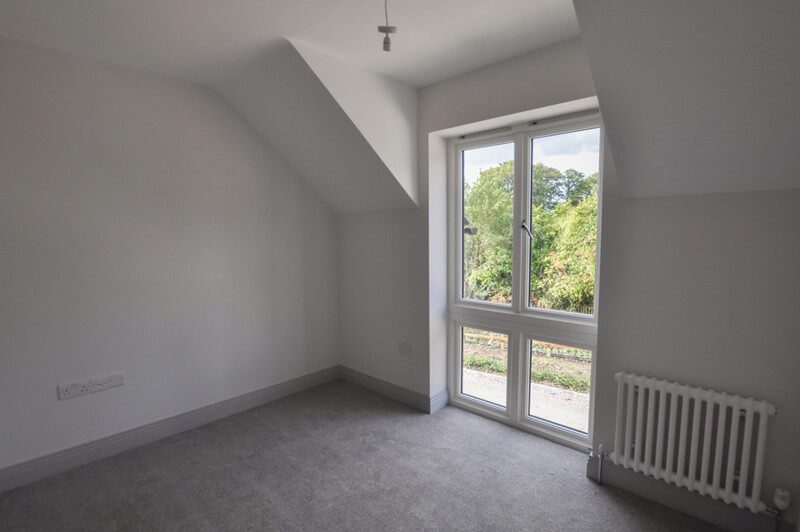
column 564, row 407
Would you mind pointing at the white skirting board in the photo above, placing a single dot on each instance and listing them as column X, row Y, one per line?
column 439, row 401
column 719, row 513
column 60, row 461
column 404, row 395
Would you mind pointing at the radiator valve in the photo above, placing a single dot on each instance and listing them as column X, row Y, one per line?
column 782, row 499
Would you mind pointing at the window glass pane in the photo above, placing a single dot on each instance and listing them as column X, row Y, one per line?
column 488, row 218
column 563, row 216
column 559, row 387
column 484, row 365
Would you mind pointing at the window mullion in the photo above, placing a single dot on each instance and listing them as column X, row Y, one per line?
column 512, row 403
column 520, row 193
column 516, row 366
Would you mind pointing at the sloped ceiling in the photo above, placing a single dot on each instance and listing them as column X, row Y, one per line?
column 209, row 40
column 291, row 108
column 351, row 137
column 383, row 110
column 697, row 97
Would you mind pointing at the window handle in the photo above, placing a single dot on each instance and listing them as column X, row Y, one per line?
column 527, row 229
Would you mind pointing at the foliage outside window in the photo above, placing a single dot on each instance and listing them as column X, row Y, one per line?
column 563, row 221
column 489, row 211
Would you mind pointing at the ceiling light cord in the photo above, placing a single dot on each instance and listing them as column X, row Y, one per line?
column 386, row 30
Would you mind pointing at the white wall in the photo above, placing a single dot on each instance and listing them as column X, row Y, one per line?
column 705, row 290
column 382, row 305
column 384, row 257
column 145, row 227
column 700, row 97
column 698, row 289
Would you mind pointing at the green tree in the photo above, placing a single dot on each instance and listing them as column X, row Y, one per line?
column 489, row 210
column 545, row 186
column 565, row 278
column 563, row 222
column 575, row 187
column 562, row 251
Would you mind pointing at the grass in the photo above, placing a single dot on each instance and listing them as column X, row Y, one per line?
column 484, row 364
column 568, row 382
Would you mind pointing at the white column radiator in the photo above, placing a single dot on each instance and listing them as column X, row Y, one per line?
column 705, row 441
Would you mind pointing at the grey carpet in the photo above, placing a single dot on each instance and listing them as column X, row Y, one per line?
column 338, row 457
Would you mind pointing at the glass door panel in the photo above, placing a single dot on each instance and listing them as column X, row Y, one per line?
column 487, row 184
column 560, row 383
column 563, row 216
column 484, row 365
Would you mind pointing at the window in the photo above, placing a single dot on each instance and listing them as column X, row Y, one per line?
column 523, row 246
column 484, row 365
column 563, row 220
column 488, row 200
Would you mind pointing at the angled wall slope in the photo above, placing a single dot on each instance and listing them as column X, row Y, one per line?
column 286, row 101
column 697, row 97
column 383, row 110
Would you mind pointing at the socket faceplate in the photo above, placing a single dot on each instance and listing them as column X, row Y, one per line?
column 91, row 385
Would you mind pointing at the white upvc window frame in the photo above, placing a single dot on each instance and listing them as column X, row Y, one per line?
column 486, row 407
column 551, row 428
column 521, row 322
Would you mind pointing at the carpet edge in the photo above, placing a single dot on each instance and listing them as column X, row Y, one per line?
column 411, row 398
column 60, row 461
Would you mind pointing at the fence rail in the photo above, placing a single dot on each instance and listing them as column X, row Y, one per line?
column 538, row 348
column 502, row 339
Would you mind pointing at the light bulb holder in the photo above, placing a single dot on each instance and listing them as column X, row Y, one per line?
column 387, row 30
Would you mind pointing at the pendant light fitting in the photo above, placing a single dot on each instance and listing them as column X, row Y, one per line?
column 387, row 29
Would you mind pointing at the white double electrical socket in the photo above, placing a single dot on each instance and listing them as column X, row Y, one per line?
column 91, row 385
column 85, row 387
column 99, row 384
column 115, row 379
column 68, row 391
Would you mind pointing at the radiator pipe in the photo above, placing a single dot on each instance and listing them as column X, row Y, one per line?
column 782, row 500
column 600, row 465
column 777, row 514
column 600, row 455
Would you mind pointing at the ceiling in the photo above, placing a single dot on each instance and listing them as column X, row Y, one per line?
column 209, row 41
column 697, row 97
